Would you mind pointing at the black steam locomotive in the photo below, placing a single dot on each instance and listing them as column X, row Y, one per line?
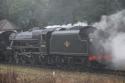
column 56, row 46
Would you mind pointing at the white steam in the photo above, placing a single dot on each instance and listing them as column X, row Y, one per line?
column 111, row 35
column 68, row 25
column 118, row 51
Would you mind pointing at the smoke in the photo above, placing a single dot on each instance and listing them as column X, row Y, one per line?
column 111, row 36
column 68, row 25
column 118, row 51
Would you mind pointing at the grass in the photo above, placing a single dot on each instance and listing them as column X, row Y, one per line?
column 17, row 74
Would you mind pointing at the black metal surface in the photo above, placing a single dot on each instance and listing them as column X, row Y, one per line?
column 68, row 43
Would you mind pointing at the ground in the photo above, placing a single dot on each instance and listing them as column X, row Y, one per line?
column 19, row 74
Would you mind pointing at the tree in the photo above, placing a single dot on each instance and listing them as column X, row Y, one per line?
column 29, row 13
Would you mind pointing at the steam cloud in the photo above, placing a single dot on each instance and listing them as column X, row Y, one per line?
column 111, row 35
column 68, row 25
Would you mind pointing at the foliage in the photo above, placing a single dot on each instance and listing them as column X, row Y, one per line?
column 30, row 13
